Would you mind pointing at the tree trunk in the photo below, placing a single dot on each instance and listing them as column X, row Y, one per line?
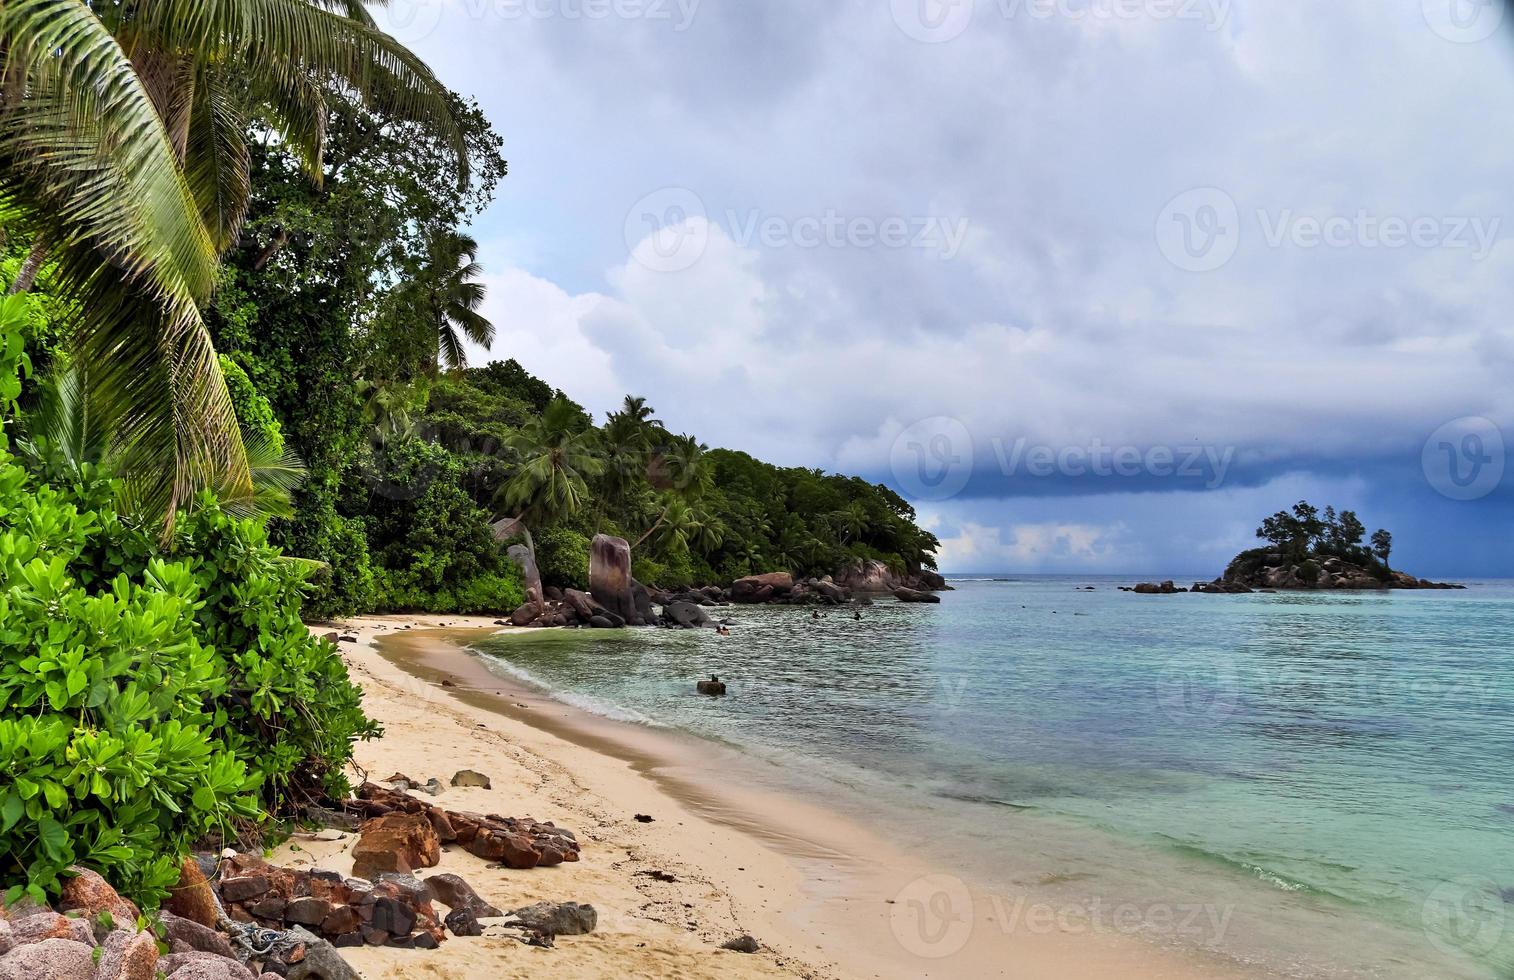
column 27, row 277
column 653, row 529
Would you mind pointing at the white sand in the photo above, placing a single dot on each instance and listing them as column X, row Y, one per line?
column 824, row 896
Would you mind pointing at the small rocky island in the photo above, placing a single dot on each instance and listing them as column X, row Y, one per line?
column 1308, row 549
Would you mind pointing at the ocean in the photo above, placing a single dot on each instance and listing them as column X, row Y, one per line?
column 1318, row 784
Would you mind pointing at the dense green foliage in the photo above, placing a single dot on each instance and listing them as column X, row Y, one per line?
column 153, row 691
column 1306, row 535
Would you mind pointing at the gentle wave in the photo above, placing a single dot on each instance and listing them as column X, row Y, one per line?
column 1252, row 869
column 584, row 702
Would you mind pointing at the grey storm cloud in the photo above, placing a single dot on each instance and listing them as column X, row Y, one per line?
column 1272, row 228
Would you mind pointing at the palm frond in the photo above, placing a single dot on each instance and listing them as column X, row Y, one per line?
column 217, row 162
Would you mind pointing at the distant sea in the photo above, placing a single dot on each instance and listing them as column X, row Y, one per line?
column 1320, row 784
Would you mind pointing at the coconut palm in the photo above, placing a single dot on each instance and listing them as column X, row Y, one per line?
column 558, row 456
column 457, row 302
column 65, row 436
column 683, row 473
column 122, row 154
column 626, row 438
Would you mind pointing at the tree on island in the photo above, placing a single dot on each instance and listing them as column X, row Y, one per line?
column 1305, row 536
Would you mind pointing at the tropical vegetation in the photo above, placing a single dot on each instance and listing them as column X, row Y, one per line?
column 236, row 397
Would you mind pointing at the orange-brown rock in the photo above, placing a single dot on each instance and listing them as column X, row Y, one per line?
column 399, row 842
column 86, row 892
column 192, row 898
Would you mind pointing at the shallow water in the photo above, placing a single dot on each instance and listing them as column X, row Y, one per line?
column 1317, row 783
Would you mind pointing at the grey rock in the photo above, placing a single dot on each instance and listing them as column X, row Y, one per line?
column 321, row 962
column 557, row 919
column 186, row 935
column 741, row 944
column 455, row 893
column 468, row 777
column 523, row 556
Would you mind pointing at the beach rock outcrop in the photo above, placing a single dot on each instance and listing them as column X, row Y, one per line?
column 911, row 595
column 761, row 588
column 516, row 843
column 868, row 575
column 610, row 577
column 530, row 574
column 395, row 842
column 714, row 687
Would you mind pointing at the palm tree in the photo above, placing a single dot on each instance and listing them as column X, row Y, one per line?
column 627, row 437
column 458, row 299
column 122, row 154
column 558, row 456
column 67, row 437
column 684, row 474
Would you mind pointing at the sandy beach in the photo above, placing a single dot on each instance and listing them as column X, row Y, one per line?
column 822, row 895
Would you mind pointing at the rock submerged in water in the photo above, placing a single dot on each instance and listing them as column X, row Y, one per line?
column 686, row 615
column 911, row 595
column 714, row 687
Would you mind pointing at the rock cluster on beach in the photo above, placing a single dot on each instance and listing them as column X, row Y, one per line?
column 235, row 916
column 517, row 843
column 93, row 935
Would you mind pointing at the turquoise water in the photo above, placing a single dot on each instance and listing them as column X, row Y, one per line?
column 1315, row 766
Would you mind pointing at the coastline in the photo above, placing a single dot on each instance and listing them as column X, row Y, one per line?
column 824, row 895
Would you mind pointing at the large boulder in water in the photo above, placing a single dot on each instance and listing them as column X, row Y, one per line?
column 522, row 556
column 686, row 615
column 910, row 595
column 610, row 576
column 760, row 588
column 869, row 575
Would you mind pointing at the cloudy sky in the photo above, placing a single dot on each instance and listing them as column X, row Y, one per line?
column 1098, row 283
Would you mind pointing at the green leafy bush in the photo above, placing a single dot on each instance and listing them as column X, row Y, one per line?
column 436, row 550
column 562, row 556
column 149, row 694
